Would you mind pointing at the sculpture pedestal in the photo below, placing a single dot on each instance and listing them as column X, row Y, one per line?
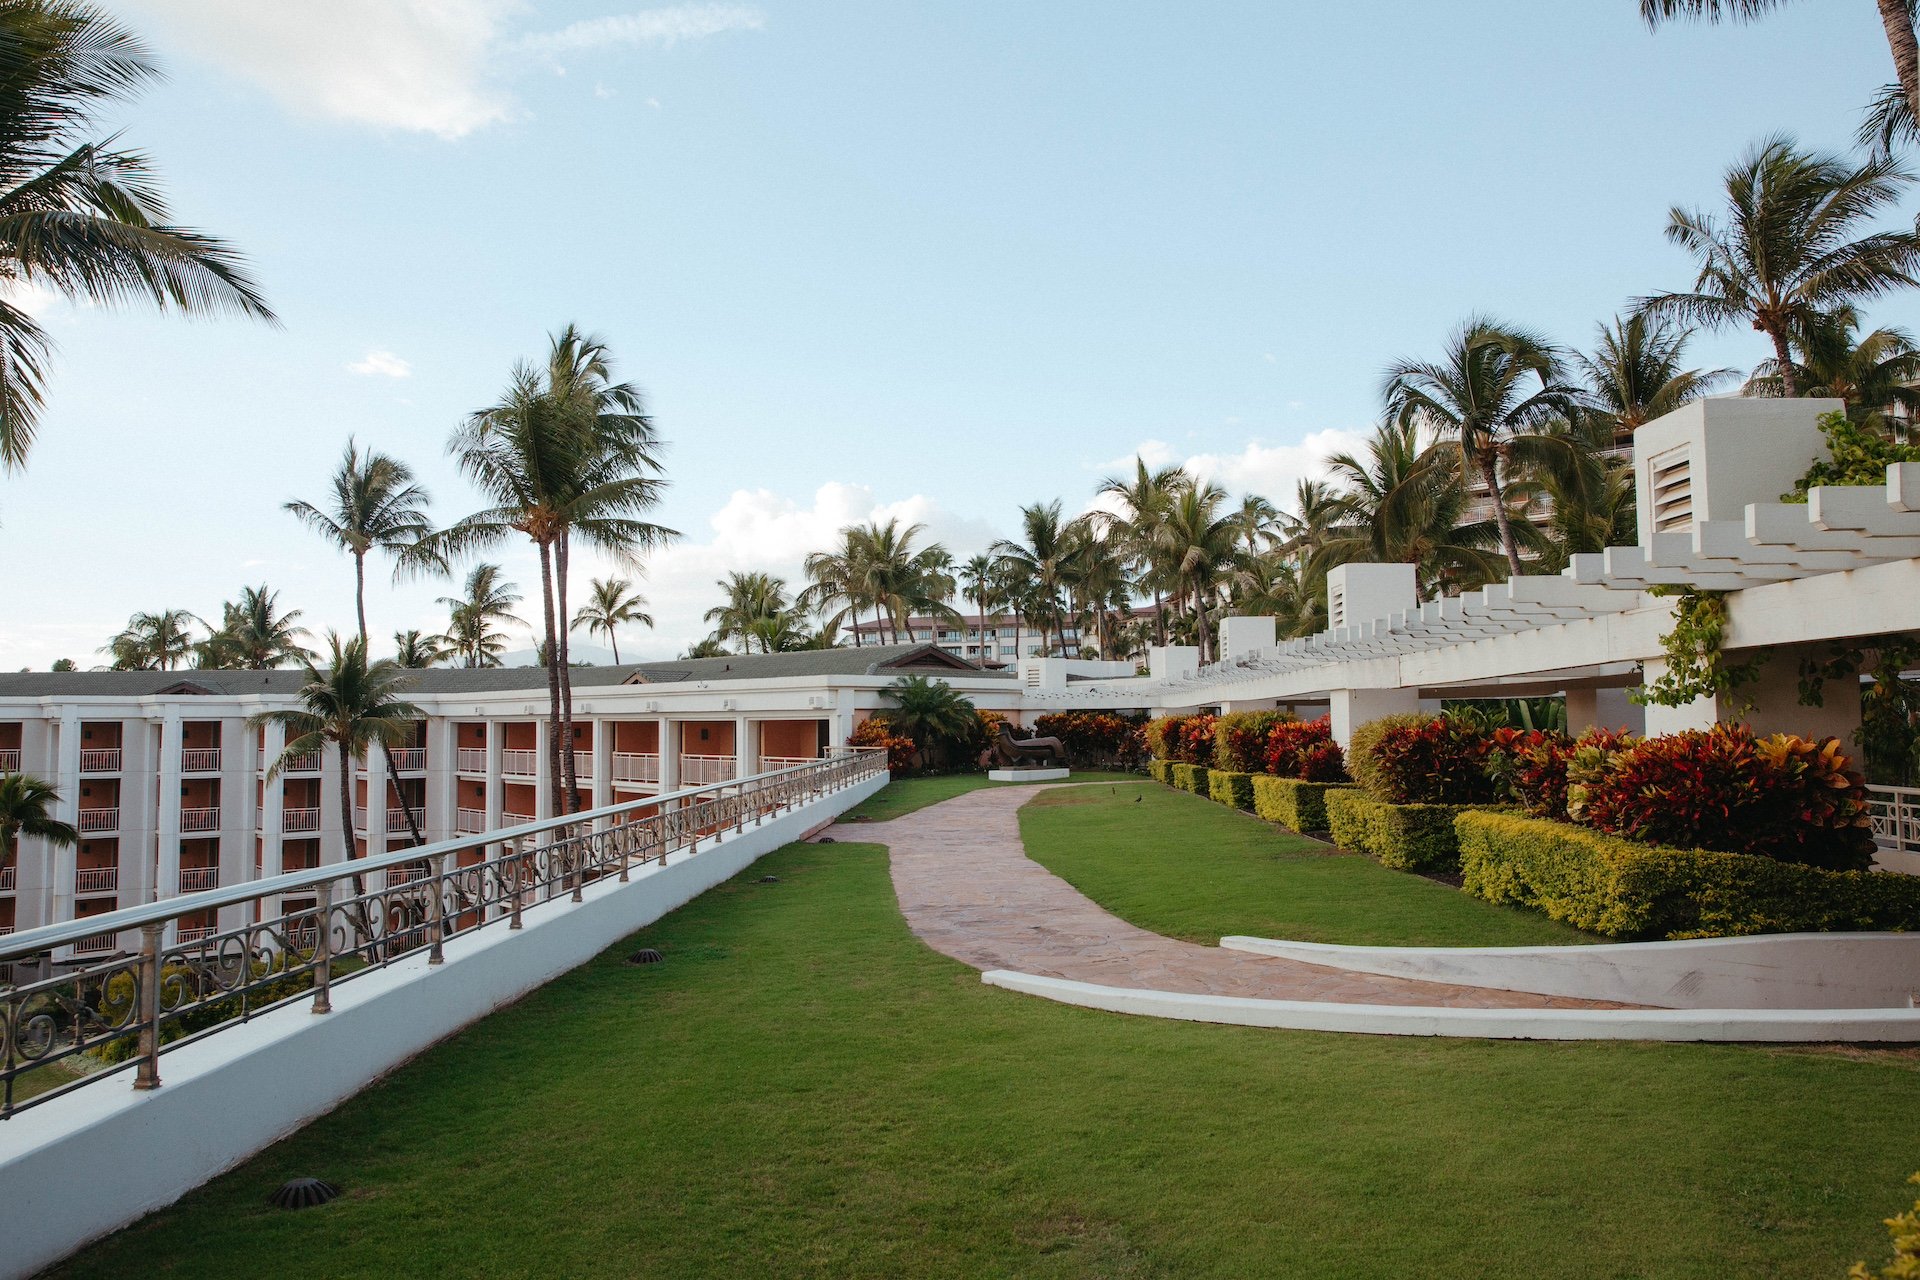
column 1045, row 774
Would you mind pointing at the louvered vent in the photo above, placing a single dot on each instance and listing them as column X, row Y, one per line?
column 1336, row 607
column 1671, row 478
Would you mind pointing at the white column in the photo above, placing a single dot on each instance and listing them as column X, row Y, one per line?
column 543, row 797
column 273, row 804
column 669, row 755
column 441, row 780
column 496, row 789
column 34, row 872
column 746, row 749
column 139, row 807
column 59, row 896
column 236, row 816
column 379, row 796
column 167, row 840
column 602, row 763
column 1583, row 710
column 1354, row 707
column 334, row 847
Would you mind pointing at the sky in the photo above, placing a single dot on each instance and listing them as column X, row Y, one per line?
column 932, row 261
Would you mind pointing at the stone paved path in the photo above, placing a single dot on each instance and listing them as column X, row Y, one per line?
column 968, row 890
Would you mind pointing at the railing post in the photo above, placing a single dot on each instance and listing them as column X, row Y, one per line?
column 622, row 833
column 437, row 912
column 147, row 1075
column 519, row 857
column 323, row 947
column 577, row 861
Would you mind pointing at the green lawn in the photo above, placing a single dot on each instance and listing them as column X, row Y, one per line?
column 1185, row 866
column 903, row 797
column 802, row 1088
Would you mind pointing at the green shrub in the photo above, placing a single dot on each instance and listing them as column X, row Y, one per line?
column 1295, row 805
column 1347, row 825
column 1624, row 889
column 1240, row 738
column 1191, row 777
column 1161, row 771
column 1414, row 837
column 1362, row 750
column 1231, row 788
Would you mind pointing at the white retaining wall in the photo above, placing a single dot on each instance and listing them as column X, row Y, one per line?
column 86, row 1164
column 1768, row 971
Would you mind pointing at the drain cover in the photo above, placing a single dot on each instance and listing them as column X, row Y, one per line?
column 303, row 1193
column 769, row 879
column 826, row 840
column 646, row 955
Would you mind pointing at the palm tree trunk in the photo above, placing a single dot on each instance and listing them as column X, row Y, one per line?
column 1490, row 473
column 1159, row 617
column 553, row 675
column 360, row 592
column 568, row 774
column 1897, row 18
column 406, row 810
column 614, row 640
column 1783, row 356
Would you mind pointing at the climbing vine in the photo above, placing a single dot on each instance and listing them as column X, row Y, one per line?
column 1696, row 667
column 1889, row 732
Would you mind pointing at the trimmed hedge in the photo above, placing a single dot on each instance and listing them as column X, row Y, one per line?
column 1623, row 889
column 1296, row 805
column 1191, row 777
column 1235, row 790
column 1161, row 771
column 1347, row 818
column 1414, row 837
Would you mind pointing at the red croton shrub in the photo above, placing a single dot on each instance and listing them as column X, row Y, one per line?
column 875, row 733
column 1097, row 737
column 1184, row 739
column 1240, row 739
column 1782, row 797
column 1435, row 761
column 1304, row 749
column 1530, row 766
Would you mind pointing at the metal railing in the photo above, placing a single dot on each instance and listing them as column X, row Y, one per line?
column 583, row 767
column 95, row 820
column 305, row 762
column 396, row 819
column 96, row 880
column 200, row 760
column 469, row 821
column 520, row 764
column 470, row 759
column 1895, row 812
column 785, row 762
column 700, row 770
column 407, row 759
column 299, row 820
column 629, row 766
column 102, row 760
column 307, row 931
column 9, row 874
column 195, row 879
column 9, row 759
column 205, row 819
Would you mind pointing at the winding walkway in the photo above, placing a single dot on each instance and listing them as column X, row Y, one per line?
column 968, row 890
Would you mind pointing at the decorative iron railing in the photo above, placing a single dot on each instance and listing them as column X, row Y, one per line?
column 302, row 933
column 1896, row 817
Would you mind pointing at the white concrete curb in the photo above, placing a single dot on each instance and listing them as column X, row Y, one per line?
column 1782, row 1025
column 1765, row 971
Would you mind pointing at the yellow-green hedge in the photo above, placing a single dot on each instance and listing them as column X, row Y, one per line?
column 1414, row 837
column 1296, row 805
column 1161, row 770
column 1625, row 889
column 1191, row 777
column 1347, row 824
column 1235, row 790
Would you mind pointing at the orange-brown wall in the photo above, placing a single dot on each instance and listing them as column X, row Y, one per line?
column 636, row 737
column 790, row 738
column 718, row 739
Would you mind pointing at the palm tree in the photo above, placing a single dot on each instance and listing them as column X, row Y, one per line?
column 610, row 603
column 752, row 599
column 350, row 706
column 980, row 583
column 1405, row 503
column 1791, row 246
column 898, row 579
column 1877, row 374
column 1896, row 19
column 26, row 809
column 836, row 589
column 1198, row 542
column 375, row 506
column 487, row 598
column 1038, row 567
column 414, row 650
column 1637, row 373
column 1584, row 491
column 153, row 641
column 929, row 712
column 254, row 635
column 1491, row 393
column 708, row 648
column 1142, row 497
column 80, row 216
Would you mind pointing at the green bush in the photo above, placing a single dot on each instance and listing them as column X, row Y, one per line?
column 1624, row 889
column 1414, row 837
column 1191, row 777
column 1362, row 750
column 1161, row 771
column 1347, row 825
column 1231, row 788
column 1295, row 805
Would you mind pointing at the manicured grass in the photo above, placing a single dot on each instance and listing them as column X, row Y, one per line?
column 1191, row 868
column 802, row 1088
column 908, row 794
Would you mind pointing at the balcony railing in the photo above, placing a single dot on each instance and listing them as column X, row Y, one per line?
column 9, row 759
column 299, row 820
column 1895, row 812
column 396, row 819
column 200, row 760
column 700, row 771
column 103, row 760
column 516, row 819
column 520, row 764
column 196, row 879
column 470, row 759
column 583, row 767
column 630, row 767
column 469, row 821
column 305, row 762
column 785, row 762
column 407, row 759
column 96, row 880
column 98, row 820
column 318, row 925
column 8, row 875
column 199, row 820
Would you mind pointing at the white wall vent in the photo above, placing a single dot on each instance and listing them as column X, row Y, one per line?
column 1336, row 606
column 1670, row 478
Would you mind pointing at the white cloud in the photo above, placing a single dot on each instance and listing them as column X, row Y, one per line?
column 418, row 66
column 381, row 364
column 1271, row 471
column 661, row 28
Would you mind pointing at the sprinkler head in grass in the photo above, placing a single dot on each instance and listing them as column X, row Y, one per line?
column 769, row 879
column 303, row 1193
column 645, row 955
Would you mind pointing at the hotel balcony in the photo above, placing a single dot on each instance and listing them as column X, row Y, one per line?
column 299, row 820
column 194, row 879
column 8, row 876
column 470, row 760
column 10, row 760
column 396, row 820
column 96, row 880
column 199, row 820
column 406, row 872
column 98, row 944
column 785, row 762
column 200, row 760
column 95, row 821
column 520, row 764
column 469, row 822
column 407, row 759
column 515, row 819
column 583, row 765
column 305, row 762
column 101, row 760
column 628, row 767
column 194, row 932
column 701, row 771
